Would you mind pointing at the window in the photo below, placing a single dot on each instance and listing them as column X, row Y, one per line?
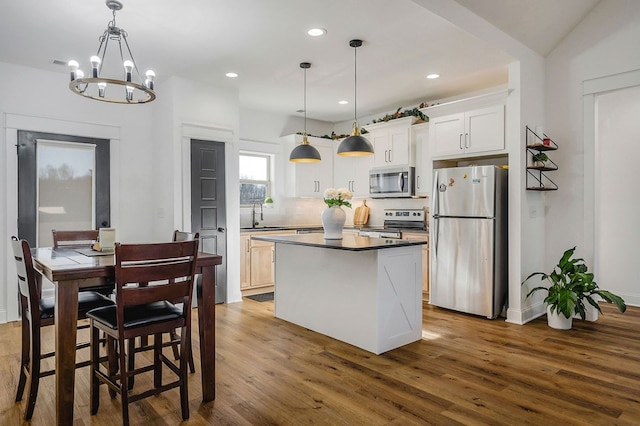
column 255, row 184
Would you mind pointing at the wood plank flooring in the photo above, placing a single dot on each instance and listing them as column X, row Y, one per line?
column 466, row 370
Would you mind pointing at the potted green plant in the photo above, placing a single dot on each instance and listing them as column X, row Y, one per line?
column 571, row 285
column 539, row 159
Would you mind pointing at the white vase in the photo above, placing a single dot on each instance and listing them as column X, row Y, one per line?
column 333, row 219
column 557, row 320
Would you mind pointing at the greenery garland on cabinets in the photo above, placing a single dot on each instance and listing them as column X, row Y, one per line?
column 415, row 112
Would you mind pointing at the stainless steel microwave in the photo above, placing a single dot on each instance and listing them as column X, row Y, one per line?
column 391, row 182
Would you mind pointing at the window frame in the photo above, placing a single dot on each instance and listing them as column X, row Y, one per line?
column 267, row 183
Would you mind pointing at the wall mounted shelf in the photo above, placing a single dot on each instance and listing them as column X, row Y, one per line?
column 537, row 180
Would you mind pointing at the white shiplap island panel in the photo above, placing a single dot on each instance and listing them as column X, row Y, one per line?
column 360, row 290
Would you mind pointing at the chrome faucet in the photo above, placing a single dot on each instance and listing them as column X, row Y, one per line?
column 254, row 222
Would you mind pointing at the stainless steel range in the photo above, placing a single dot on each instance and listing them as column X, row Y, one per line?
column 396, row 220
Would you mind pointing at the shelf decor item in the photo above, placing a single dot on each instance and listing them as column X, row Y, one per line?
column 571, row 286
column 333, row 217
column 537, row 143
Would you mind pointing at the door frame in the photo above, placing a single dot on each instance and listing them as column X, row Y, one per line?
column 182, row 217
column 9, row 188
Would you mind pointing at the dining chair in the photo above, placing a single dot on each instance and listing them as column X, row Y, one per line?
column 38, row 312
column 175, row 338
column 84, row 239
column 169, row 269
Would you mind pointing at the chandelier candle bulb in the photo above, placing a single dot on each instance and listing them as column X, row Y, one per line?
column 150, row 76
column 101, row 88
column 95, row 63
column 128, row 67
column 74, row 68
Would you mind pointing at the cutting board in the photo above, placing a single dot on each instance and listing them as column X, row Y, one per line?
column 361, row 215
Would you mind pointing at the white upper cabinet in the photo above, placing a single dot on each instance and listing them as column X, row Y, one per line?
column 352, row 173
column 467, row 128
column 420, row 136
column 309, row 179
column 392, row 142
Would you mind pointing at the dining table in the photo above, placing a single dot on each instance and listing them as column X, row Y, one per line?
column 69, row 270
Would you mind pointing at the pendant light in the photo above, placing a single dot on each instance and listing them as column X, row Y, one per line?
column 305, row 152
column 355, row 145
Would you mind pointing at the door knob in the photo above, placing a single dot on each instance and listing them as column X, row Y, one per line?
column 220, row 229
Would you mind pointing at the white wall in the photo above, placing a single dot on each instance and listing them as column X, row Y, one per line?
column 603, row 44
column 40, row 100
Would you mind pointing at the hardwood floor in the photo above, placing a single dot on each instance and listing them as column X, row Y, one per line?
column 466, row 370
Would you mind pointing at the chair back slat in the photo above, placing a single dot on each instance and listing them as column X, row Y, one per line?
column 25, row 274
column 174, row 292
column 142, row 272
column 74, row 238
column 167, row 269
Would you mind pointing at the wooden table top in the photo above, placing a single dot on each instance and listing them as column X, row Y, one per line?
column 61, row 264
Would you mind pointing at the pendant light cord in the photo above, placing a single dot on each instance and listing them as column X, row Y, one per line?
column 355, row 85
column 305, row 102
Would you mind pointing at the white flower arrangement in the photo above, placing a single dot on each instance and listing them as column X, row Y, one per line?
column 337, row 197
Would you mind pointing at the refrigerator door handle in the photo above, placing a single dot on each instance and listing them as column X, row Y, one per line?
column 436, row 222
column 434, row 195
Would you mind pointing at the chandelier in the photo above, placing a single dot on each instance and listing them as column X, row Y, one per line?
column 109, row 89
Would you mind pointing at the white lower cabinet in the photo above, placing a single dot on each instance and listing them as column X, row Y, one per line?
column 421, row 236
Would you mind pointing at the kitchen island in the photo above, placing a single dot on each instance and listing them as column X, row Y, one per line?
column 363, row 291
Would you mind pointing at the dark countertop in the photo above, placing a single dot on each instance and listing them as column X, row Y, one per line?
column 349, row 242
column 318, row 228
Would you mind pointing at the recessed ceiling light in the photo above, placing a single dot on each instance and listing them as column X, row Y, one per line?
column 343, row 102
column 231, row 74
column 316, row 32
column 432, row 76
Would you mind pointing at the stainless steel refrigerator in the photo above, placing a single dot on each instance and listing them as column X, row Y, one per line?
column 469, row 239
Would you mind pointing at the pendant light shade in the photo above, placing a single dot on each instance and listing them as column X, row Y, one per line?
column 305, row 152
column 355, row 145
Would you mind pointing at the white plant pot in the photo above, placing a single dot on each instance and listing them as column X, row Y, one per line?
column 558, row 321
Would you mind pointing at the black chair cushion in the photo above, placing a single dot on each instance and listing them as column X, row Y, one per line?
column 87, row 300
column 137, row 316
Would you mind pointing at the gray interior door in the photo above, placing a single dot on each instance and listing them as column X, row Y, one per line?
column 29, row 177
column 208, row 213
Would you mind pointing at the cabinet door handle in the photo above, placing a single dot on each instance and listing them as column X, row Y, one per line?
column 273, row 255
column 466, row 140
column 247, row 244
column 390, row 156
column 460, row 141
column 418, row 182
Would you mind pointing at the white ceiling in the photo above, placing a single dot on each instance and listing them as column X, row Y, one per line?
column 265, row 41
